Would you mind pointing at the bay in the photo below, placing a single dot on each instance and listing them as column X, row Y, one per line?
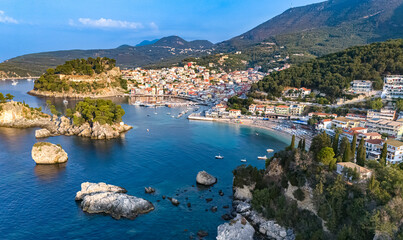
column 37, row 202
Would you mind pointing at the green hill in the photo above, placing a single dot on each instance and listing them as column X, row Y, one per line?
column 332, row 73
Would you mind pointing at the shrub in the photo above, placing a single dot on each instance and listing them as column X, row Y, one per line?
column 299, row 194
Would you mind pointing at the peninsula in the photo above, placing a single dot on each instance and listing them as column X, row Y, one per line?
column 81, row 78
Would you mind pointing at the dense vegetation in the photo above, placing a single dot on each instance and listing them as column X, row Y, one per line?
column 100, row 110
column 51, row 81
column 349, row 208
column 333, row 73
column 8, row 97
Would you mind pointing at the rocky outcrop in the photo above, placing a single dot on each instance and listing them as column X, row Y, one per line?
column 17, row 115
column 42, row 133
column 149, row 190
column 203, row 178
column 48, row 153
column 238, row 228
column 268, row 228
column 88, row 188
column 244, row 193
column 112, row 200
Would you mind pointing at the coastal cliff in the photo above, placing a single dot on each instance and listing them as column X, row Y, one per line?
column 19, row 115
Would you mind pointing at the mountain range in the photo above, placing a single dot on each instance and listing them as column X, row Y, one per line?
column 315, row 29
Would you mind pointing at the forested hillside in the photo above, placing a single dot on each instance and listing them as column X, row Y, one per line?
column 333, row 73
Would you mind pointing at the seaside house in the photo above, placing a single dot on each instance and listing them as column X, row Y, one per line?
column 282, row 109
column 260, row 109
column 322, row 115
column 373, row 148
column 324, row 124
column 364, row 173
column 234, row 113
column 270, row 109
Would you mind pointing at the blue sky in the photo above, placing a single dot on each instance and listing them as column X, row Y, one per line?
column 29, row 26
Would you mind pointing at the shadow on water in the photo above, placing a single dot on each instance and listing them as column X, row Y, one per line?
column 102, row 147
column 49, row 172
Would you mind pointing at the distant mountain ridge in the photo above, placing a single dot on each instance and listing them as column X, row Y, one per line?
column 369, row 20
column 171, row 47
column 312, row 30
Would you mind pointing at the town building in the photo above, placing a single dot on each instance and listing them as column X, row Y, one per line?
column 282, row 110
column 391, row 128
column 393, row 87
column 361, row 86
column 364, row 173
column 395, row 151
column 322, row 115
column 343, row 122
column 384, row 114
column 234, row 113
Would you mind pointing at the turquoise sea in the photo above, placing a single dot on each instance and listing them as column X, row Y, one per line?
column 37, row 202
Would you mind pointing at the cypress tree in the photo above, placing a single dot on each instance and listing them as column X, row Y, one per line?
column 300, row 144
column 361, row 153
column 292, row 146
column 354, row 145
column 303, row 144
column 336, row 144
column 384, row 153
column 347, row 154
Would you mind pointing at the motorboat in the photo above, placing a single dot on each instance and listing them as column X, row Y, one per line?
column 219, row 157
column 243, row 160
column 14, row 83
column 262, row 157
column 29, row 79
column 269, row 150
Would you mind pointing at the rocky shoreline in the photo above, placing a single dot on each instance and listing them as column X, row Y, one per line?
column 74, row 95
column 16, row 115
column 249, row 224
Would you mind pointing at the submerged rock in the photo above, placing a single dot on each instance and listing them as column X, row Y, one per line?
column 202, row 234
column 206, row 179
column 112, row 200
column 239, row 228
column 174, row 201
column 48, row 153
column 149, row 190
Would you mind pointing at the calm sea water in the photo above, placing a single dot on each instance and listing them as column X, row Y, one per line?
column 37, row 202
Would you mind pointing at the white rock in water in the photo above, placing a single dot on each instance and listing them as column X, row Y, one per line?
column 116, row 204
column 206, row 179
column 48, row 153
column 238, row 228
column 110, row 199
column 42, row 133
column 90, row 188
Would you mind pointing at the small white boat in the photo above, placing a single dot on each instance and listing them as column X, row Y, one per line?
column 65, row 102
column 243, row 160
column 155, row 113
column 262, row 157
column 219, row 157
column 148, row 130
column 168, row 113
column 270, row 150
column 29, row 79
column 14, row 83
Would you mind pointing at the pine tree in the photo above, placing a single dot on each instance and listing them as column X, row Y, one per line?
column 354, row 145
column 347, row 154
column 361, row 153
column 384, row 154
column 336, row 144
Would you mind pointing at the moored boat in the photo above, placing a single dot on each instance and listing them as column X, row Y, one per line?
column 262, row 157
column 219, row 156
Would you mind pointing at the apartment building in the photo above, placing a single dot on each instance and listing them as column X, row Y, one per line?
column 361, row 86
column 384, row 114
column 393, row 87
column 391, row 128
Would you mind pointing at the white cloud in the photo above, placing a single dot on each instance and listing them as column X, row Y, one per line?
column 154, row 26
column 6, row 19
column 105, row 23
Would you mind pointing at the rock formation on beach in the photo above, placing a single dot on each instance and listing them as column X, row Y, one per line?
column 112, row 200
column 206, row 179
column 48, row 153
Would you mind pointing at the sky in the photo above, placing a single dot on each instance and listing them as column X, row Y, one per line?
column 30, row 26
